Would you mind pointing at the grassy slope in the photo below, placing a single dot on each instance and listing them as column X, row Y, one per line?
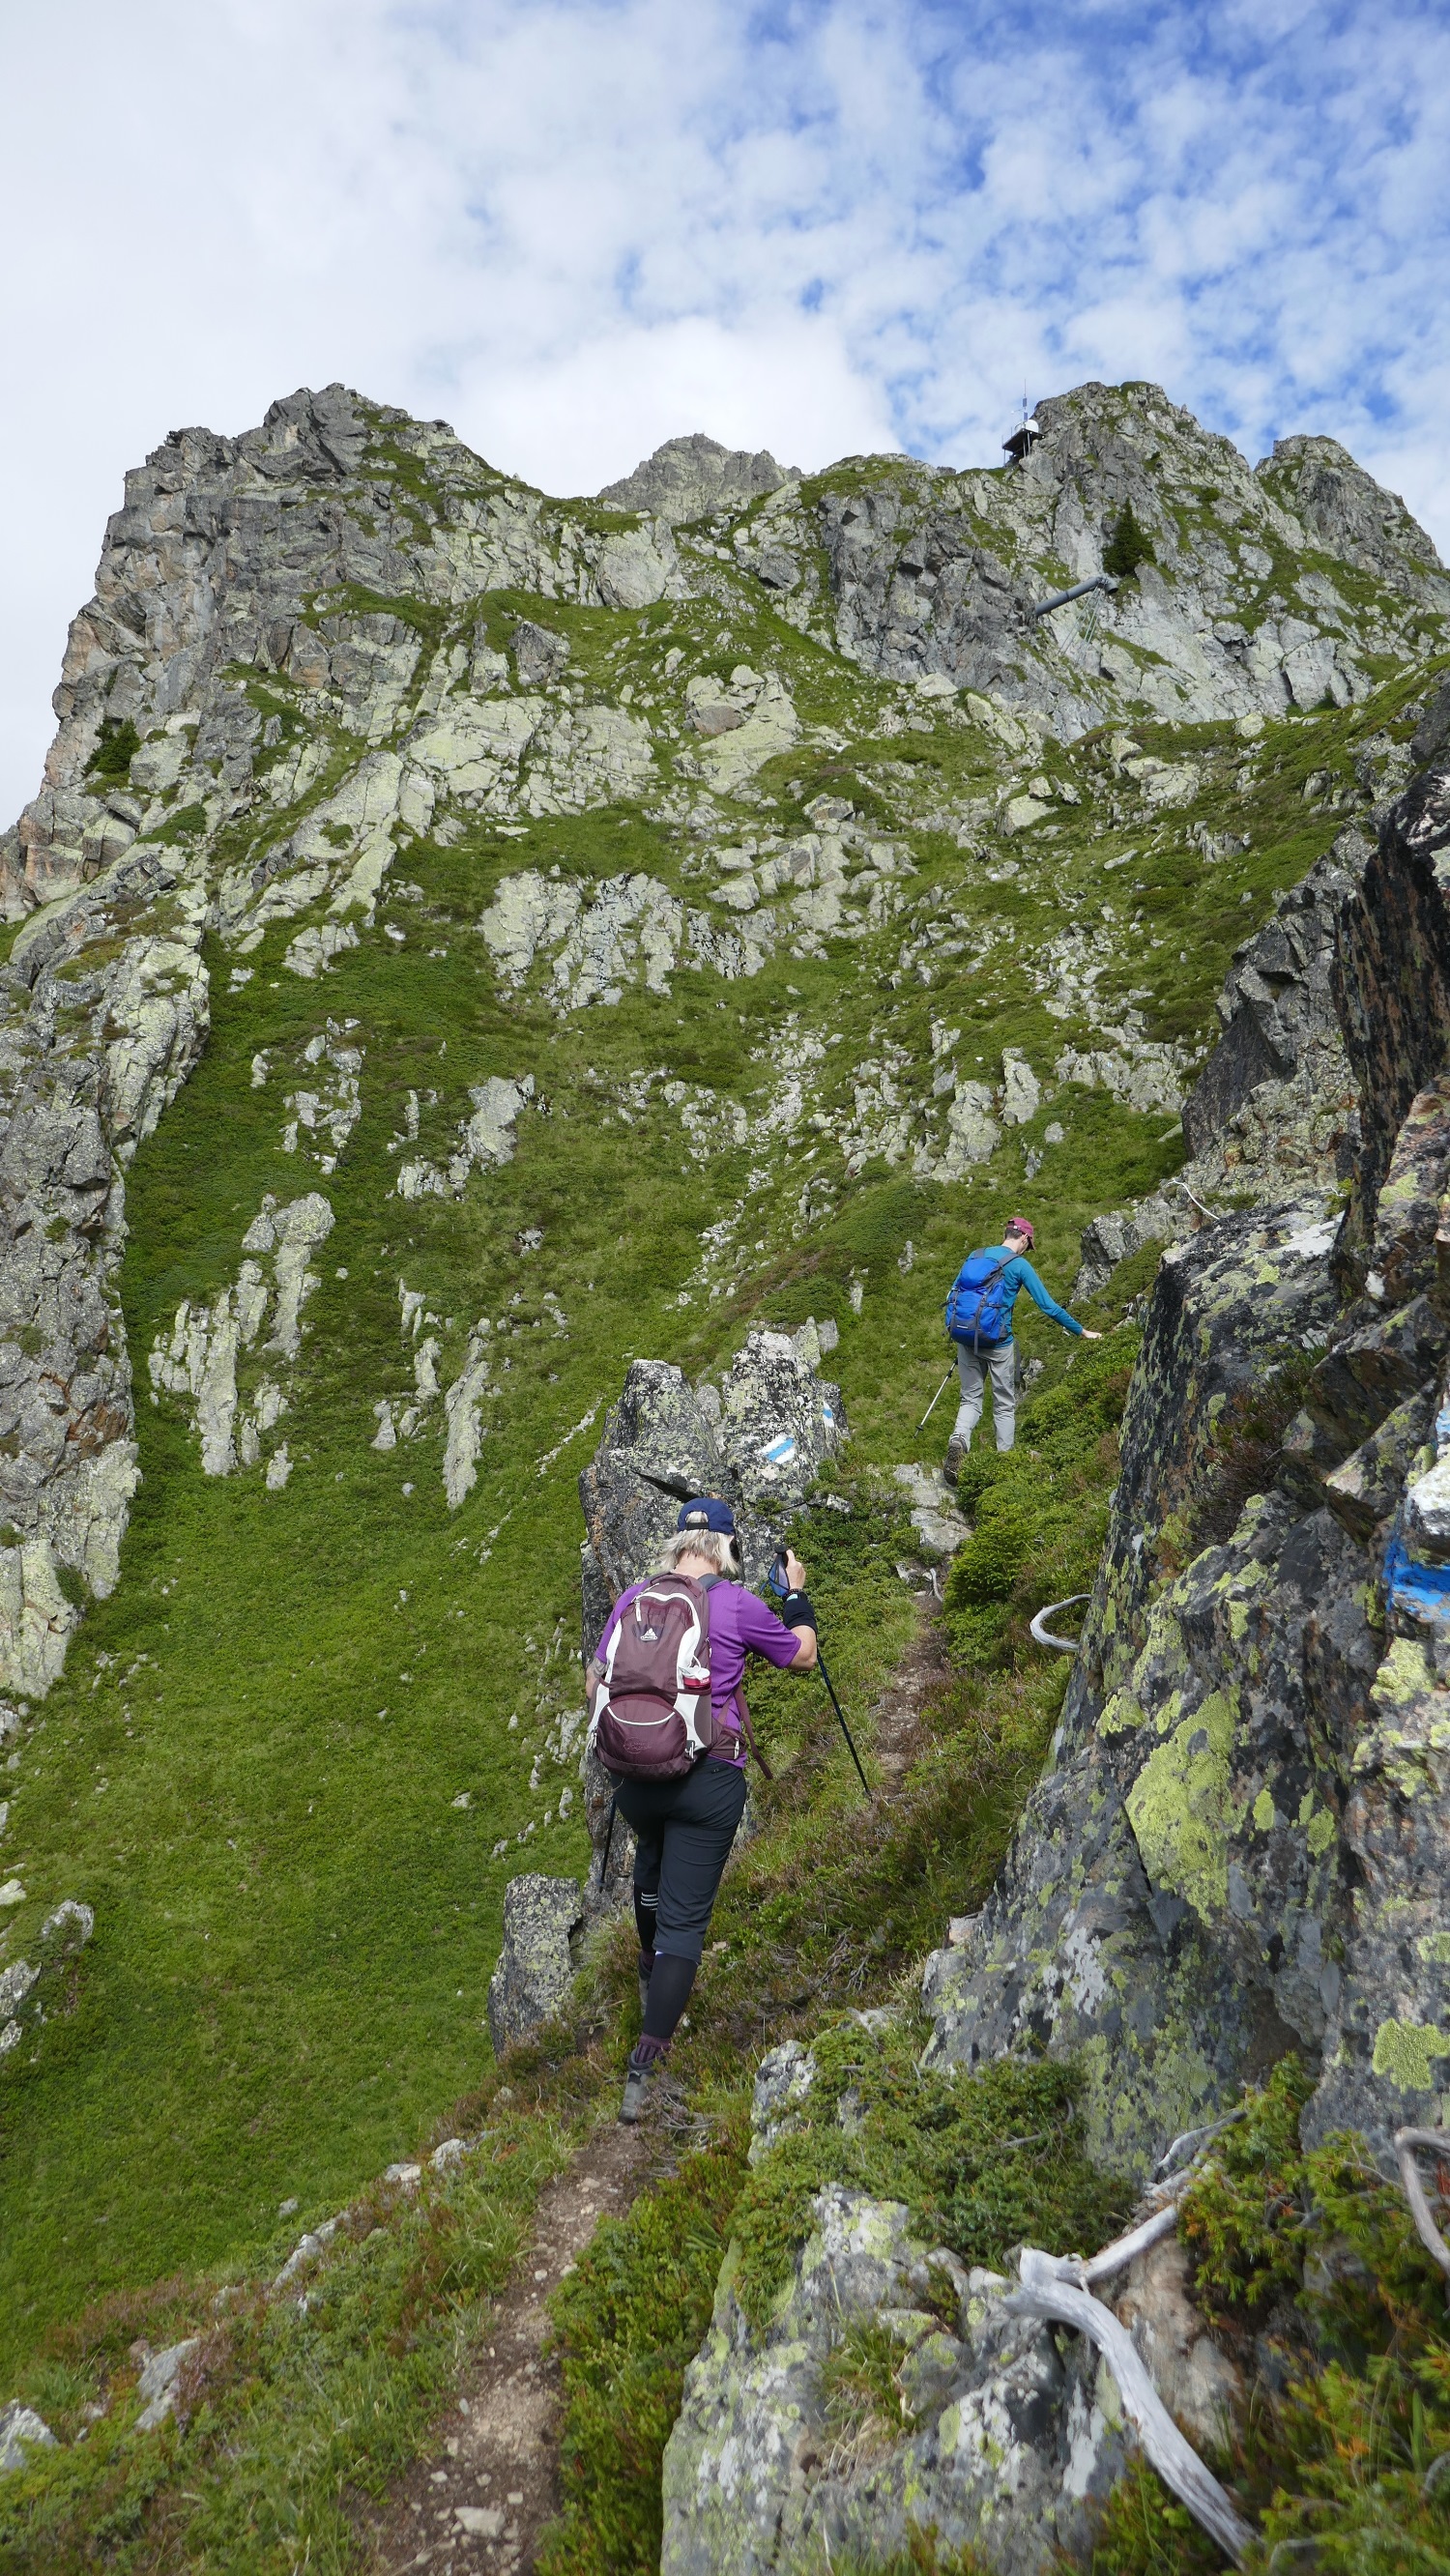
column 295, row 1924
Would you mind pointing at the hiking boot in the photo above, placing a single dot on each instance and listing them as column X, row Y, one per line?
column 956, row 1452
column 638, row 2077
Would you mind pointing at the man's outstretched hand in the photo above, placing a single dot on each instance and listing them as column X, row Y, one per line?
column 1089, row 1336
column 795, row 1573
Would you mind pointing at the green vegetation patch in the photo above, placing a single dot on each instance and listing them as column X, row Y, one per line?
column 1044, row 1504
column 115, row 751
column 287, row 2404
column 1311, row 2269
column 983, row 2161
column 1129, row 546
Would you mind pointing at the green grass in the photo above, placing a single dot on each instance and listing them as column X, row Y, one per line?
column 289, row 2410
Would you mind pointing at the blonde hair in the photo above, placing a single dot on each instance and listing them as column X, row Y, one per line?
column 716, row 1546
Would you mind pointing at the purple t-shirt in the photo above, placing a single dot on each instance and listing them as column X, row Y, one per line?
column 739, row 1623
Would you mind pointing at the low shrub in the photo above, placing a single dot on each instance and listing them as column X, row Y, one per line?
column 982, row 2160
column 116, row 749
column 1311, row 2268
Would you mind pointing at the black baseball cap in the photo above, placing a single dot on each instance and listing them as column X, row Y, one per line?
column 707, row 1511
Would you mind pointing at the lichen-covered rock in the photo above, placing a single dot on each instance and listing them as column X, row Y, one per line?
column 1345, row 510
column 1277, row 1100
column 198, row 1357
column 688, row 478
column 89, row 1057
column 601, row 939
column 1013, row 2442
column 542, row 1917
column 1392, row 990
column 1107, row 1240
column 659, row 1446
column 757, row 1441
column 932, row 572
column 1174, row 1898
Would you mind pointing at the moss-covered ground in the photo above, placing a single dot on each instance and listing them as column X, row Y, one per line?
column 292, row 1761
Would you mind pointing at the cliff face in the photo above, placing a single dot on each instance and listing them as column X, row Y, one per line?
column 1236, row 611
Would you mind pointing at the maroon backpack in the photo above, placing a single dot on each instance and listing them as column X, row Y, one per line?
column 652, row 1715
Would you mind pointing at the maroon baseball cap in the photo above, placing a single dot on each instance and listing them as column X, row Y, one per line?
column 1019, row 1225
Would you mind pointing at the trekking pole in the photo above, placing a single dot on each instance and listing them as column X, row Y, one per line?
column 608, row 1841
column 936, row 1399
column 779, row 1584
column 845, row 1730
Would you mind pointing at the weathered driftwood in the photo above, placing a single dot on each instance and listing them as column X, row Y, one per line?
column 1125, row 2249
column 1052, row 2288
column 1049, row 1610
column 1438, row 2143
column 1168, row 2166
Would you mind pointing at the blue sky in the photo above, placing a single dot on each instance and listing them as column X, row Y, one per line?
column 575, row 227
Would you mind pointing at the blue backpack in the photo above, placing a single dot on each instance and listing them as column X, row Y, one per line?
column 977, row 1308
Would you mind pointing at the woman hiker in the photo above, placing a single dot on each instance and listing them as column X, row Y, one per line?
column 980, row 1323
column 684, row 1827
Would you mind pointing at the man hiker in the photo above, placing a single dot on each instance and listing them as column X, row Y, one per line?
column 979, row 1319
column 684, row 1826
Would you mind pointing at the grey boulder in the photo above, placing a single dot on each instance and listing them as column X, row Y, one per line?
column 22, row 2430
column 542, row 1919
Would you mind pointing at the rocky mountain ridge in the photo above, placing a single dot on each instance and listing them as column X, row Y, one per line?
column 469, row 943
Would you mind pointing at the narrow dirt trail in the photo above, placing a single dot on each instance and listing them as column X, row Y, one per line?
column 896, row 1715
column 478, row 2497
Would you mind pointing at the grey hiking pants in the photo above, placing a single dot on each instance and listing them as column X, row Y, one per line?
column 997, row 1361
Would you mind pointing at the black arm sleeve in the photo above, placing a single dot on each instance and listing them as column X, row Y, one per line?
column 796, row 1610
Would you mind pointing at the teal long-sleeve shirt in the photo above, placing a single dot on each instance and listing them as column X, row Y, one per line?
column 1019, row 1274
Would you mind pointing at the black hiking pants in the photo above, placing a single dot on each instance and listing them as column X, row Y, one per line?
column 683, row 1833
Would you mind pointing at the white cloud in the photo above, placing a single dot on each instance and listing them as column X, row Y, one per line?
column 575, row 227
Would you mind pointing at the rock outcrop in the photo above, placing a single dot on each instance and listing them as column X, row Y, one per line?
column 1011, row 2451
column 691, row 478
column 542, row 1920
column 1014, row 2433
column 937, row 573
column 33, row 1990
column 758, row 1439
column 92, row 1049
column 1240, row 1846
column 1277, row 1102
